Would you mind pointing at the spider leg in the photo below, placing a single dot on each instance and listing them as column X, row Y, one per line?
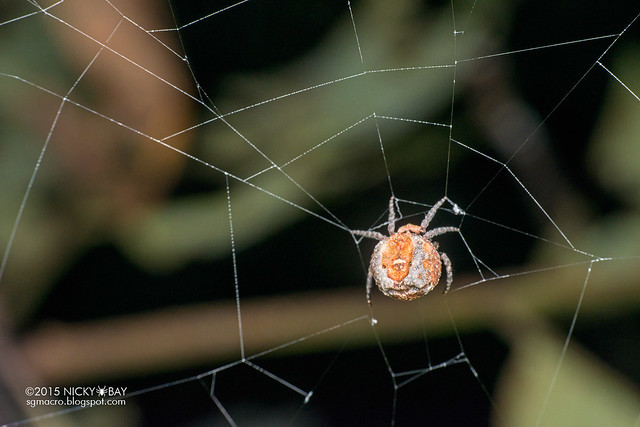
column 369, row 283
column 391, row 225
column 392, row 216
column 432, row 212
column 369, row 234
column 447, row 265
column 438, row 231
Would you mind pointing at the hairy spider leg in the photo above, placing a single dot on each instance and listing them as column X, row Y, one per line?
column 432, row 212
column 447, row 265
column 370, row 234
column 438, row 231
column 392, row 217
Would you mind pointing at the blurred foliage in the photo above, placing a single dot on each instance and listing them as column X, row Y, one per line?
column 111, row 183
column 585, row 392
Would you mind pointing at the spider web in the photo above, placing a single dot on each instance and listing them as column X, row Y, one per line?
column 179, row 183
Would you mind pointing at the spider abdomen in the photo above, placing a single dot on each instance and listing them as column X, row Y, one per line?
column 406, row 266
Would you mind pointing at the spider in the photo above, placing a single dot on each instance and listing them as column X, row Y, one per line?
column 406, row 264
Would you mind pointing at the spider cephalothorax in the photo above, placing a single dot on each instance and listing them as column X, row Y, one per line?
column 406, row 264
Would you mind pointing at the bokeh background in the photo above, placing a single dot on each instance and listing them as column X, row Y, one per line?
column 121, row 270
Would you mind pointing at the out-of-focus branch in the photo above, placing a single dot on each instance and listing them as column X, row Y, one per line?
column 208, row 334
